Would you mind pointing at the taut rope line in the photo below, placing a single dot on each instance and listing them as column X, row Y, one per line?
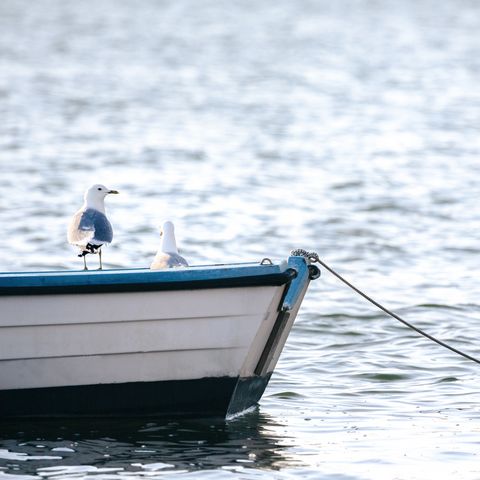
column 313, row 257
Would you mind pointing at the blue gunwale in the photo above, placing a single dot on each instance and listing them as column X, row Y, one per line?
column 142, row 279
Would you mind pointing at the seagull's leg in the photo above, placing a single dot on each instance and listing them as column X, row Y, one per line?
column 85, row 263
column 100, row 258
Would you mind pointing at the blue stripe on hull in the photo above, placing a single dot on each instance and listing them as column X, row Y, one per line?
column 214, row 396
column 112, row 281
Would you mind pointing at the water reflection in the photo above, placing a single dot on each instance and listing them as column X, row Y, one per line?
column 130, row 446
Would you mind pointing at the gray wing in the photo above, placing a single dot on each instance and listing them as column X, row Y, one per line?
column 177, row 260
column 89, row 226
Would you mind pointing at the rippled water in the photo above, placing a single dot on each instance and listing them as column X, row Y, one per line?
column 350, row 128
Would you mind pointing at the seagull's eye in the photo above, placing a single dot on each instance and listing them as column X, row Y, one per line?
column 99, row 188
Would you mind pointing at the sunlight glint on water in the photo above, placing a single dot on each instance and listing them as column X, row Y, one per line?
column 349, row 128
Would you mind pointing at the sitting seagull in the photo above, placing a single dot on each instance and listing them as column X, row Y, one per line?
column 168, row 256
column 89, row 228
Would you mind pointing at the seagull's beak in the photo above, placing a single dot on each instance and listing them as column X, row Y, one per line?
column 113, row 191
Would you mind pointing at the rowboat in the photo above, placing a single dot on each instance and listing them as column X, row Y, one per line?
column 199, row 341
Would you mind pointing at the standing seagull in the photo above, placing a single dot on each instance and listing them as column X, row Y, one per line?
column 89, row 228
column 168, row 256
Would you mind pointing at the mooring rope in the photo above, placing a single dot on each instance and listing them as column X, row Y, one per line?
column 313, row 257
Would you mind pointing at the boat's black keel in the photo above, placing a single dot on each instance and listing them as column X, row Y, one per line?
column 213, row 396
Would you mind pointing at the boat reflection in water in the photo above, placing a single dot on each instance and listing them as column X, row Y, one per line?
column 133, row 446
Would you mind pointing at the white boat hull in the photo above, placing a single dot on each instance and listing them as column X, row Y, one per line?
column 130, row 351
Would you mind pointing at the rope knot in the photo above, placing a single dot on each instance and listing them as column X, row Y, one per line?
column 300, row 252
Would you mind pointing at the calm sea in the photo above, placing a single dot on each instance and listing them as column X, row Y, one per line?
column 351, row 128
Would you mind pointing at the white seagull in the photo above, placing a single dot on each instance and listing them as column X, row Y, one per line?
column 90, row 228
column 168, row 256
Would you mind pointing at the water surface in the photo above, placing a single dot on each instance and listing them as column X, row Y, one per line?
column 350, row 128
